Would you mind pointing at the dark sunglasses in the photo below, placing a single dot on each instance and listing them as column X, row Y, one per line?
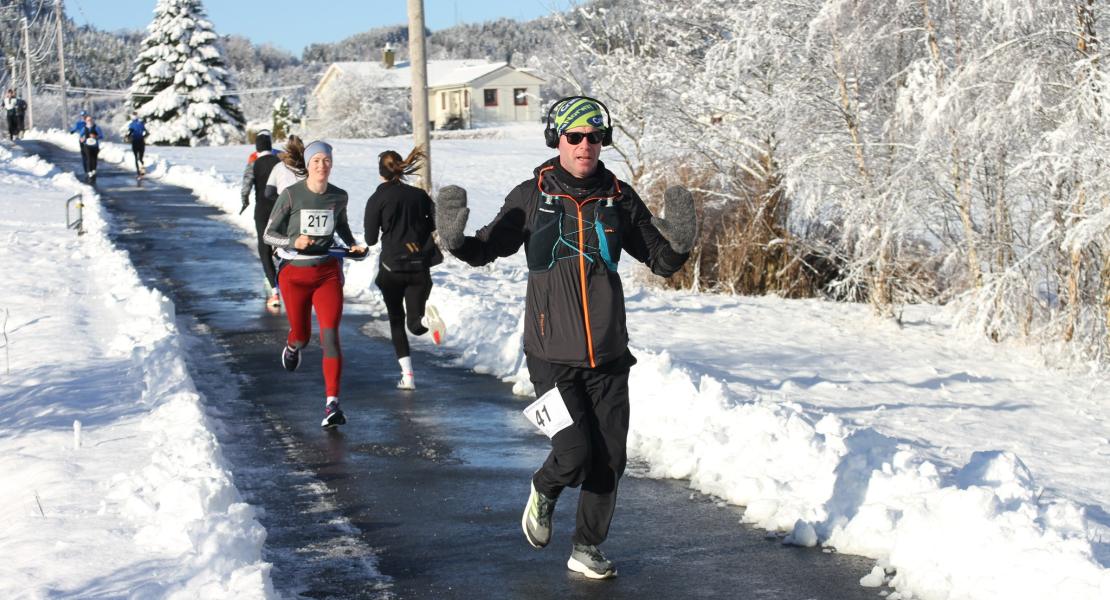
column 575, row 137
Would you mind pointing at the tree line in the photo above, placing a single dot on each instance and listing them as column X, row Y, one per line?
column 886, row 151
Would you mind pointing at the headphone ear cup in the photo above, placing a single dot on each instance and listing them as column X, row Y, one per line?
column 607, row 137
column 551, row 137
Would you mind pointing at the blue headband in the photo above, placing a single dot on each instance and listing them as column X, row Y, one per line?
column 315, row 148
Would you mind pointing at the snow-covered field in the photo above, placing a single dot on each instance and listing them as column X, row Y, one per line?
column 966, row 469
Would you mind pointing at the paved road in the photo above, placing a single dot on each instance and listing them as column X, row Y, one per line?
column 420, row 494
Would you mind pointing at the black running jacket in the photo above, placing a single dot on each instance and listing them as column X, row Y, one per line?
column 574, row 232
column 405, row 215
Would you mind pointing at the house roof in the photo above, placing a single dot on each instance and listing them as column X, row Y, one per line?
column 441, row 73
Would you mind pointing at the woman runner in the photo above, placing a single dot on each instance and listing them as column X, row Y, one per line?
column 305, row 218
column 405, row 215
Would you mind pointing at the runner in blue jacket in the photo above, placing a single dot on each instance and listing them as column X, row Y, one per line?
column 136, row 134
column 77, row 128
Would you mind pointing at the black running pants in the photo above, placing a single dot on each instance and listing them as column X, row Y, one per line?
column 592, row 452
column 401, row 290
column 138, row 148
column 89, row 155
column 265, row 252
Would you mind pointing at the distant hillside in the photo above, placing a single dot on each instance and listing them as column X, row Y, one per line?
column 499, row 40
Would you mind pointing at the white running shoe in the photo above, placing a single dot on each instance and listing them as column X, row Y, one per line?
column 433, row 322
column 407, row 382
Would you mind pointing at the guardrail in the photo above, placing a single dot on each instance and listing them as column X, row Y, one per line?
column 79, row 224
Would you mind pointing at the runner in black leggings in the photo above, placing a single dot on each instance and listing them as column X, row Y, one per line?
column 405, row 215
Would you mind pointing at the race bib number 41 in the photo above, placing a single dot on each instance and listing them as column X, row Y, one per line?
column 549, row 413
column 317, row 222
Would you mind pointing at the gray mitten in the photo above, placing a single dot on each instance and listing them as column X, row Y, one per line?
column 451, row 215
column 680, row 226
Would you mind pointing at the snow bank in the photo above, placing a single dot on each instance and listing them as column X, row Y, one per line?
column 114, row 484
column 981, row 529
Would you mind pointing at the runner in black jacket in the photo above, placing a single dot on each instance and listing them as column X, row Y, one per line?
column 259, row 165
column 575, row 219
column 405, row 215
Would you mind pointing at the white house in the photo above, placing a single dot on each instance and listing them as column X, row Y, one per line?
column 461, row 93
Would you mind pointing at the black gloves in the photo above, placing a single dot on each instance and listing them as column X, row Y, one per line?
column 451, row 215
column 680, row 226
column 246, row 203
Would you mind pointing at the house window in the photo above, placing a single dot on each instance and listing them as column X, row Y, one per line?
column 443, row 100
column 520, row 96
column 490, row 96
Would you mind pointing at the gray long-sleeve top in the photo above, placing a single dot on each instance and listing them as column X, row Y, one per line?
column 298, row 211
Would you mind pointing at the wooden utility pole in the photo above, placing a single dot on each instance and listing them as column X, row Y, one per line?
column 62, row 65
column 420, row 89
column 30, row 121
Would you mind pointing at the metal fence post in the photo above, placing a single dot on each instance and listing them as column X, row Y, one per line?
column 79, row 224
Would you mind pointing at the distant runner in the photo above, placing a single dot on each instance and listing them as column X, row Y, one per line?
column 136, row 134
column 11, row 109
column 405, row 215
column 255, row 175
column 89, row 137
column 77, row 128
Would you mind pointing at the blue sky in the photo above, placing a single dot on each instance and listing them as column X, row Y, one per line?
column 292, row 25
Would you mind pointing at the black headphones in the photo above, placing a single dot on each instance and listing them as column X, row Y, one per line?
column 551, row 136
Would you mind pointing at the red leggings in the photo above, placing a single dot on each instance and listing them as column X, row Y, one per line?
column 320, row 287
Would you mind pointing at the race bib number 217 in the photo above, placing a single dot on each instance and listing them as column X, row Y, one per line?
column 317, row 222
column 549, row 413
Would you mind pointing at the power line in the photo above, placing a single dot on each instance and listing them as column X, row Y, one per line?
column 41, row 53
column 38, row 11
column 106, row 93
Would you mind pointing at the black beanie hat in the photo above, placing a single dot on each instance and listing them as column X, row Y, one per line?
column 262, row 141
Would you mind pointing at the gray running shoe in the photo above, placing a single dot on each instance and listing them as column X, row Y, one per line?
column 536, row 521
column 589, row 561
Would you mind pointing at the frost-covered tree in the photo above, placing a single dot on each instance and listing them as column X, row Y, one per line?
column 356, row 107
column 180, row 82
column 925, row 150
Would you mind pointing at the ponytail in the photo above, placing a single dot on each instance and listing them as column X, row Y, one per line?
column 392, row 168
column 294, row 156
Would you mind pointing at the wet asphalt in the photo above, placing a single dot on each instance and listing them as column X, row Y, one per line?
column 420, row 494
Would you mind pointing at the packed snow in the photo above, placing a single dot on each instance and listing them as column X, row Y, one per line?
column 965, row 469
column 114, row 484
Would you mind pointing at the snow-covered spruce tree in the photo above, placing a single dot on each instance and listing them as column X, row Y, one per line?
column 180, row 81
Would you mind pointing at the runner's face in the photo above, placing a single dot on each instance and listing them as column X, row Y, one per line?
column 319, row 166
column 579, row 159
